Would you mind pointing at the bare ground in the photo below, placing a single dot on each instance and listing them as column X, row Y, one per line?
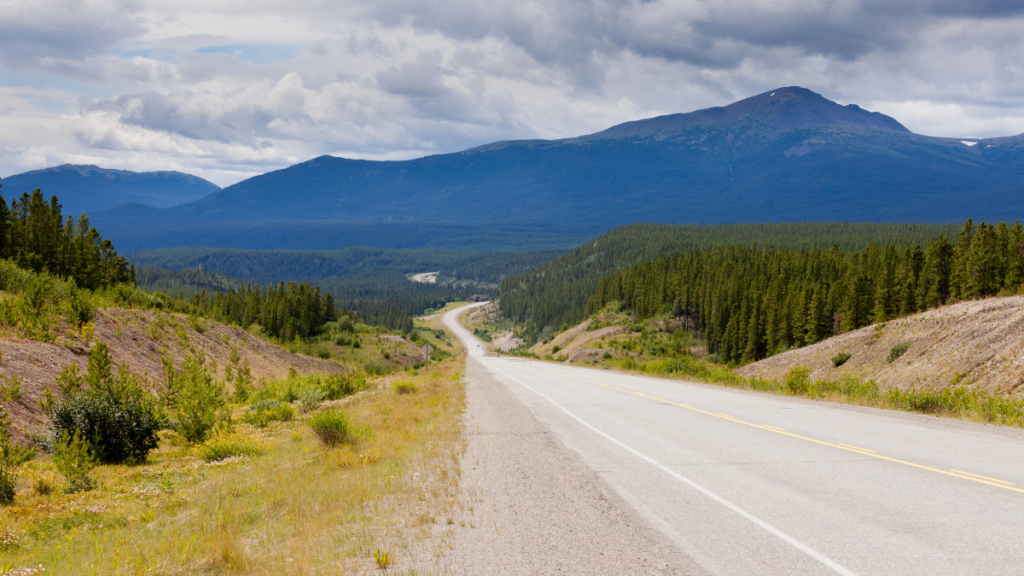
column 138, row 338
column 978, row 343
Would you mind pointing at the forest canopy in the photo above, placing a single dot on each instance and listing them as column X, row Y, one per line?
column 749, row 302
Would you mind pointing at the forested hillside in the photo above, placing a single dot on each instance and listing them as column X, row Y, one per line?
column 749, row 302
column 34, row 234
column 557, row 292
column 265, row 266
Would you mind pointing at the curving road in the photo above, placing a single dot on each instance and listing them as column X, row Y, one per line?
column 748, row 483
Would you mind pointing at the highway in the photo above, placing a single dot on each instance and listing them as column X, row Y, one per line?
column 748, row 483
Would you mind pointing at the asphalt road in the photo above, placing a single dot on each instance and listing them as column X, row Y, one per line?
column 747, row 483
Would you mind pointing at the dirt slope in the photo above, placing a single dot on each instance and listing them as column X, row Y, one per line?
column 138, row 338
column 980, row 343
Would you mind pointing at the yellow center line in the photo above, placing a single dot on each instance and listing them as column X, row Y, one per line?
column 862, row 451
column 858, row 448
column 980, row 476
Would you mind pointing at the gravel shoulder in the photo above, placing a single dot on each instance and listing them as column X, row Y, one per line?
column 531, row 506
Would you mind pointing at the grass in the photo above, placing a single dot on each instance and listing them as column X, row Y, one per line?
column 298, row 507
column 331, row 427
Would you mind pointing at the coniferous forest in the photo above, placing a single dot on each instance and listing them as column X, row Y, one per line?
column 35, row 236
column 749, row 302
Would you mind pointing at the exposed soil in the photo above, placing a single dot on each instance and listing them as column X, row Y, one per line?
column 138, row 338
column 573, row 343
column 978, row 343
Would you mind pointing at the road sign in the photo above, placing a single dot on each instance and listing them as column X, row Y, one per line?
column 427, row 349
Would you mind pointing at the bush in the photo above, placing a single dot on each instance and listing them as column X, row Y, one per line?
column 405, row 387
column 840, row 359
column 375, row 367
column 263, row 412
column 195, row 401
column 798, row 381
column 310, row 398
column 897, row 351
column 115, row 414
column 226, row 446
column 8, row 484
column 331, row 427
column 75, row 459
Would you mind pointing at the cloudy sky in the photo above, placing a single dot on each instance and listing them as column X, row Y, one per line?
column 227, row 89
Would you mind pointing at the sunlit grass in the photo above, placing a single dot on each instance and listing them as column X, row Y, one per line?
column 294, row 506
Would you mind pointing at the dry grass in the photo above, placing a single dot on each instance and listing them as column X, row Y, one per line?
column 297, row 508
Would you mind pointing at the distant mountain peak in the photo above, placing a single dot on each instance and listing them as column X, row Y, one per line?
column 768, row 114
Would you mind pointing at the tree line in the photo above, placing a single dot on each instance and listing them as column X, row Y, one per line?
column 283, row 311
column 556, row 293
column 749, row 302
column 35, row 236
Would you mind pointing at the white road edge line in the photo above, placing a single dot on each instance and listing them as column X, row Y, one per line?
column 839, row 569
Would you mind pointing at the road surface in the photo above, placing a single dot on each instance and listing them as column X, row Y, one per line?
column 425, row 277
column 748, row 483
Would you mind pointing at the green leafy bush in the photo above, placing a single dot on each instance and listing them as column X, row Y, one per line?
column 798, row 381
column 8, row 484
column 310, row 398
column 74, row 458
column 115, row 414
column 897, row 351
column 840, row 359
column 331, row 427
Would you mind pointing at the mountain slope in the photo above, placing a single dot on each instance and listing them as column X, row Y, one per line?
column 978, row 344
column 785, row 155
column 91, row 189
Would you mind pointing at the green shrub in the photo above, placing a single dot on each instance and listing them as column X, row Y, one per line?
column 265, row 411
column 8, row 484
column 897, row 351
column 194, row 400
column 225, row 446
column 310, row 398
column 798, row 381
column 840, row 359
column 75, row 459
column 331, row 427
column 115, row 414
column 376, row 367
column 405, row 387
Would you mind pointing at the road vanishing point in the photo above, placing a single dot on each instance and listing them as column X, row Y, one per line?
column 745, row 483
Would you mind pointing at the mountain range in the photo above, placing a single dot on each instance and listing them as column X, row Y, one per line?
column 91, row 189
column 785, row 155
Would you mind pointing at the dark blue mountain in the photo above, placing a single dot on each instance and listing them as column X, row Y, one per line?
column 785, row 155
column 90, row 189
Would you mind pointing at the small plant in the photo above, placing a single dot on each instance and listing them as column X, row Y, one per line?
column 383, row 559
column 798, row 381
column 897, row 351
column 331, row 427
column 840, row 359
column 310, row 398
column 195, row 401
column 75, row 459
column 375, row 368
column 227, row 445
column 555, row 349
column 263, row 412
column 10, row 388
column 42, row 487
column 8, row 484
column 405, row 387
